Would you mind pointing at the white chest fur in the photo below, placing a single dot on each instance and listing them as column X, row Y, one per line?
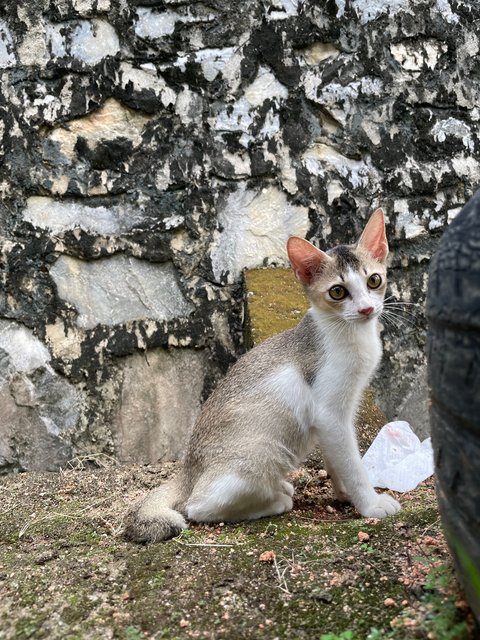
column 347, row 361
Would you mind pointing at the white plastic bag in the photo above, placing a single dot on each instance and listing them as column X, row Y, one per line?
column 397, row 459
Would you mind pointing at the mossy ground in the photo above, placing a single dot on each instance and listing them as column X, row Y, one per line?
column 66, row 571
column 320, row 572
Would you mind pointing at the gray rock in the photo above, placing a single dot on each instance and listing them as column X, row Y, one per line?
column 415, row 407
column 160, row 399
column 119, row 289
column 40, row 410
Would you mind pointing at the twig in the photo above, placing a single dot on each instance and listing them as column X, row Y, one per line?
column 205, row 544
column 56, row 514
column 282, row 583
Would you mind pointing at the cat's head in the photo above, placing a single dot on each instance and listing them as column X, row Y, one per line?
column 347, row 281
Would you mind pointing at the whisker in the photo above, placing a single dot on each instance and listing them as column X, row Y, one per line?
column 399, row 318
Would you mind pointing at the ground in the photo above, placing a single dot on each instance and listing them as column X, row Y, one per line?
column 319, row 572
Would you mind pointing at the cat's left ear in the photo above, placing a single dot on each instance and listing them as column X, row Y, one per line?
column 374, row 238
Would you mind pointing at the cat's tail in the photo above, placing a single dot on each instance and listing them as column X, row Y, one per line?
column 155, row 517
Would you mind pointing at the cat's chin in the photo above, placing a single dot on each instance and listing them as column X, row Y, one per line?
column 362, row 320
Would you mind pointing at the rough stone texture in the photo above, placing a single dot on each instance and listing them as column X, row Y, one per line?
column 192, row 138
column 40, row 409
column 115, row 290
column 160, row 400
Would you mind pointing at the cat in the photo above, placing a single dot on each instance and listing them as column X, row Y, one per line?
column 298, row 389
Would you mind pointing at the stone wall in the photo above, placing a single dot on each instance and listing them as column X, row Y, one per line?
column 152, row 150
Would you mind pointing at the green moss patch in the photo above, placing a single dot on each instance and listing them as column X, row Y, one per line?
column 275, row 300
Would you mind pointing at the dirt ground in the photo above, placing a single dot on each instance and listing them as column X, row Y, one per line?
column 319, row 572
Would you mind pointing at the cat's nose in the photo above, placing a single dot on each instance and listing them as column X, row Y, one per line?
column 366, row 312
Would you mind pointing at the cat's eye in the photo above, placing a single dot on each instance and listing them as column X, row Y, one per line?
column 374, row 281
column 337, row 292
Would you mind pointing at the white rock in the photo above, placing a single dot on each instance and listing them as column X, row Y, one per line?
column 265, row 86
column 94, row 40
column 321, row 157
column 113, row 120
column 7, row 57
column 282, row 9
column 236, row 117
column 154, row 24
column 443, row 8
column 368, row 10
column 25, row 350
column 453, row 127
column 417, row 56
column 119, row 289
column 452, row 214
column 33, row 49
column 55, row 39
column 142, row 79
column 339, row 100
column 188, row 106
column 407, row 221
column 59, row 216
column 256, row 227
column 214, row 61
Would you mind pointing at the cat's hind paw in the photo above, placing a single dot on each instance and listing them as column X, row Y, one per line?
column 287, row 488
column 383, row 506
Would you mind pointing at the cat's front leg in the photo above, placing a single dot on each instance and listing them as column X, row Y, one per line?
column 337, row 485
column 349, row 478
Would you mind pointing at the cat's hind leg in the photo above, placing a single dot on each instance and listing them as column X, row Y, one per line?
column 287, row 488
column 230, row 497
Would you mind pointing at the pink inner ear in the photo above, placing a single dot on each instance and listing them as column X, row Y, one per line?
column 374, row 238
column 306, row 259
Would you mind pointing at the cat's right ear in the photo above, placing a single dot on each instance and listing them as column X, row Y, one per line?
column 306, row 259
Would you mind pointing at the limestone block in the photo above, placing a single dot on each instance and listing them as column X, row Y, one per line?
column 113, row 120
column 92, row 41
column 25, row 352
column 256, row 226
column 147, row 79
column 422, row 54
column 407, row 223
column 159, row 402
column 119, row 289
column 319, row 51
column 89, row 41
column 283, row 9
column 321, row 158
column 59, row 216
column 369, row 10
column 214, row 61
column 455, row 128
column 240, row 115
column 153, row 24
column 7, row 57
column 265, row 87
column 40, row 410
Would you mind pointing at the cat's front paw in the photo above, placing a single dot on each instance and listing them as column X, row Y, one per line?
column 384, row 505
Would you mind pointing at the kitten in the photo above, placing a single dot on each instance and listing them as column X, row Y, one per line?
column 298, row 389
